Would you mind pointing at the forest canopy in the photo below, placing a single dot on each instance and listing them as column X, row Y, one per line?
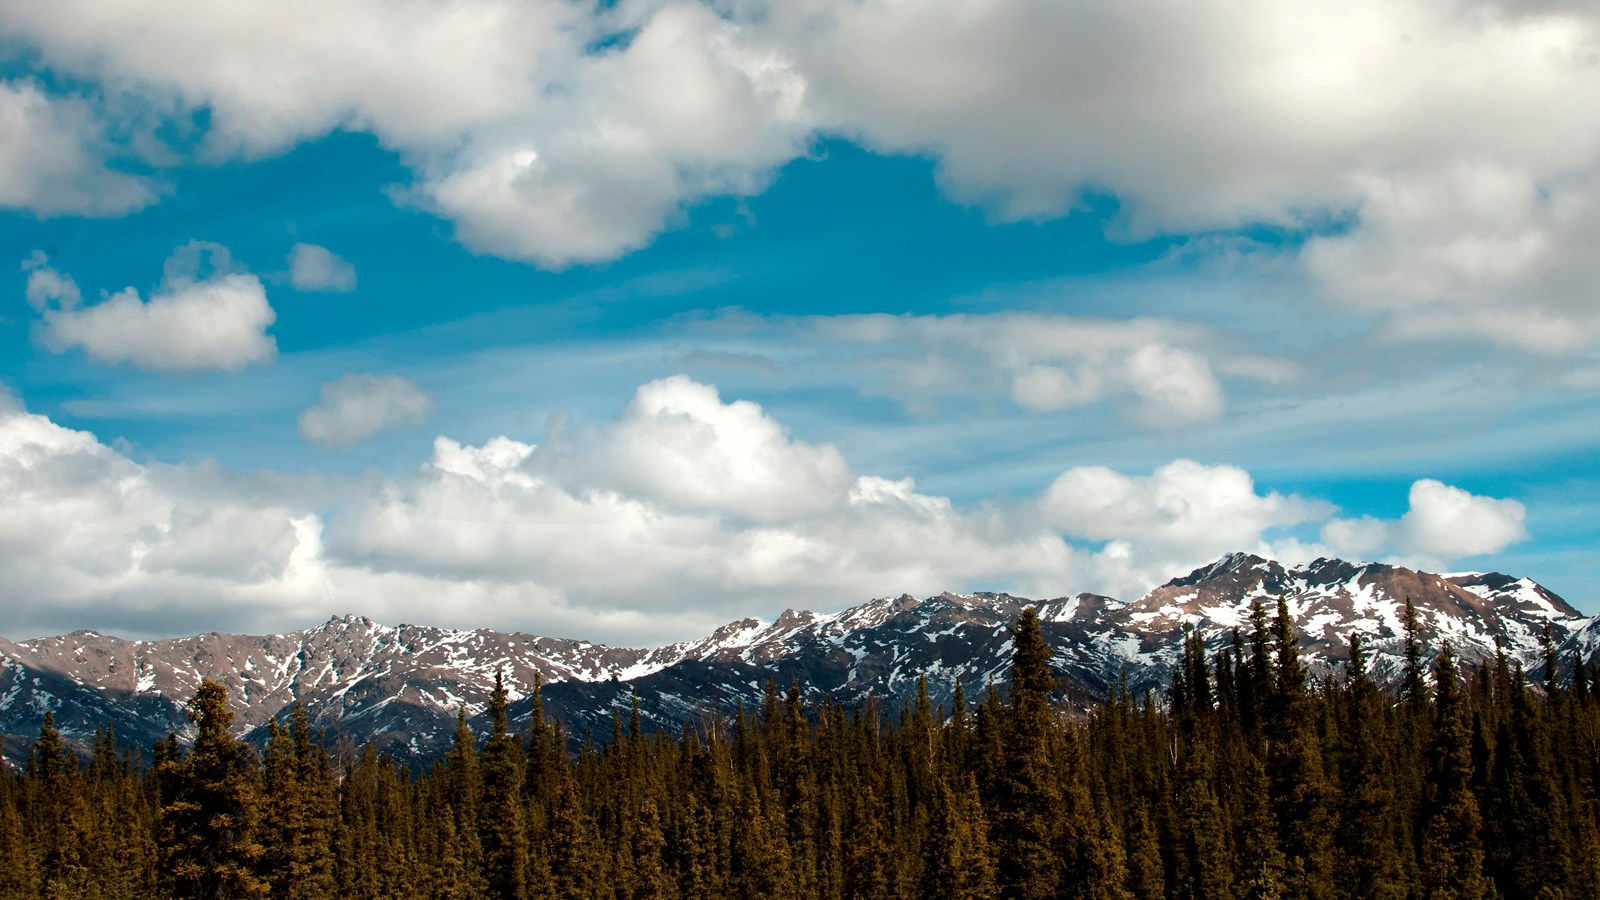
column 1247, row 779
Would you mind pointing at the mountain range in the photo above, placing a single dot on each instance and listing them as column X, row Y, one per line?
column 401, row 687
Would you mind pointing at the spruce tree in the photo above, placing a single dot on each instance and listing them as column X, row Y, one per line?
column 1369, row 839
column 1452, row 849
column 1029, row 799
column 208, row 841
column 961, row 866
column 1300, row 790
column 501, row 832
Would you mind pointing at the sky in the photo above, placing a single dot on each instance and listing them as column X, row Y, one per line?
column 621, row 320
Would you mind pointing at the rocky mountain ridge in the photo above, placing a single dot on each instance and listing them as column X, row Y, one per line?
column 401, row 686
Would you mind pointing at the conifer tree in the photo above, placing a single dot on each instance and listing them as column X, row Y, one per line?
column 501, row 832
column 1452, row 850
column 207, row 837
column 57, row 806
column 299, row 812
column 1369, row 837
column 1202, row 867
column 1413, row 685
column 961, row 866
column 1300, row 790
column 1029, row 799
column 18, row 872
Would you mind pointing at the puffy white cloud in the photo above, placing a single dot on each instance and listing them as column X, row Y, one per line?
column 47, row 287
column 549, row 131
column 685, row 109
column 194, row 321
column 1363, row 538
column 1457, row 144
column 1443, row 156
column 316, row 268
column 1181, row 515
column 679, row 445
column 356, row 407
column 1175, row 385
column 273, row 73
column 48, row 158
column 87, row 532
column 1480, row 250
column 510, row 534
column 1442, row 523
column 1446, row 521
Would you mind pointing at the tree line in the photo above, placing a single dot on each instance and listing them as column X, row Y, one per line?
column 1249, row 779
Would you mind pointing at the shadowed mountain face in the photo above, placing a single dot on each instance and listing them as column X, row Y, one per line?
column 401, row 687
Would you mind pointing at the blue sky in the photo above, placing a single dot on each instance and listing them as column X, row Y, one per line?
column 619, row 321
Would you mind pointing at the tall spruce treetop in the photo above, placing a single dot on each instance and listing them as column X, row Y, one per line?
column 1413, row 685
column 209, row 808
column 1029, row 792
column 501, row 828
column 1452, row 845
column 1031, row 676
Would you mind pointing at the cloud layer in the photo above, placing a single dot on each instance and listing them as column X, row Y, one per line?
column 682, row 512
column 1442, row 159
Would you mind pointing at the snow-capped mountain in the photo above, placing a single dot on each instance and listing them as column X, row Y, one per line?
column 401, row 686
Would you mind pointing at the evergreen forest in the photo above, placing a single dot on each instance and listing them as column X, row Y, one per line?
column 1248, row 779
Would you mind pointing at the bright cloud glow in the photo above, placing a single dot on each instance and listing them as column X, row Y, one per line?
column 1448, row 522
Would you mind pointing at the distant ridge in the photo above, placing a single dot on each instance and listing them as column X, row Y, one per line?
column 400, row 686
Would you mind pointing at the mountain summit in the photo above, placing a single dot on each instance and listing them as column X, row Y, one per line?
column 401, row 686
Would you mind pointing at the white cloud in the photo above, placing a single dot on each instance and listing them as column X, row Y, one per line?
column 273, row 73
column 535, row 143
column 1443, row 523
column 316, row 268
column 87, row 532
column 679, row 445
column 48, row 287
column 1181, row 515
column 512, row 535
column 1458, row 141
column 1159, row 372
column 1175, row 385
column 196, row 320
column 1454, row 145
column 356, row 407
column 1480, row 250
column 48, row 161
column 1446, row 521
column 687, row 109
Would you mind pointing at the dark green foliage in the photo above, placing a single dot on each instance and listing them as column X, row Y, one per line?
column 1250, row 780
column 207, row 834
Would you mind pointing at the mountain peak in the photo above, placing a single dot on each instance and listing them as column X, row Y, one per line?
column 400, row 686
column 1229, row 564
